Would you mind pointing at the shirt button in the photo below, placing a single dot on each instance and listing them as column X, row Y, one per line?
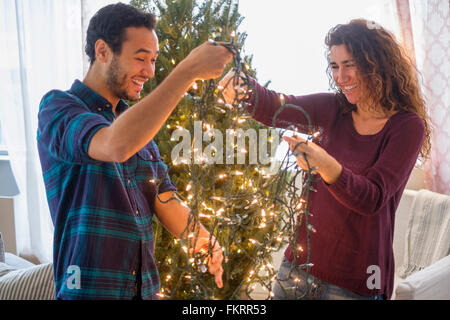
column 129, row 181
column 134, row 272
column 99, row 109
column 137, row 212
column 108, row 105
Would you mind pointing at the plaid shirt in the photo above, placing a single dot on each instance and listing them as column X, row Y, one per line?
column 102, row 211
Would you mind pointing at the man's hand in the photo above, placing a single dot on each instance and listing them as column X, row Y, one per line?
column 175, row 216
column 207, row 61
column 327, row 166
column 215, row 257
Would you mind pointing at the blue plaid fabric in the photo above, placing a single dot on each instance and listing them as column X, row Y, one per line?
column 101, row 211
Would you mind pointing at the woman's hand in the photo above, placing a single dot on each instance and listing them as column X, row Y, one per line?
column 229, row 90
column 325, row 165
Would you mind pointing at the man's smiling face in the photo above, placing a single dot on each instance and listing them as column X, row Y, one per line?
column 129, row 70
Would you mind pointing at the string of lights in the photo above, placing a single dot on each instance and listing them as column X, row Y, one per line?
column 269, row 219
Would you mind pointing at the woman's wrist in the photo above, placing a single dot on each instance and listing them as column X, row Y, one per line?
column 332, row 172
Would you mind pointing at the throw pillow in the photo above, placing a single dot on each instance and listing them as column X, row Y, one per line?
column 33, row 283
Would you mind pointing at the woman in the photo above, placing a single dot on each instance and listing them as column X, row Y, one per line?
column 372, row 130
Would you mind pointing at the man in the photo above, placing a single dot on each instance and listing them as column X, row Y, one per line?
column 103, row 173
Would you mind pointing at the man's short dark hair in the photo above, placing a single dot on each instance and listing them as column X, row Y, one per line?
column 109, row 24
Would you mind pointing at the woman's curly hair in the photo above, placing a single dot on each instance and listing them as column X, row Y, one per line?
column 389, row 77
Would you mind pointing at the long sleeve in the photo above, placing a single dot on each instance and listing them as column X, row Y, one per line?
column 366, row 193
column 320, row 107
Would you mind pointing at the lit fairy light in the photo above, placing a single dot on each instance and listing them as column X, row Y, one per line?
column 222, row 176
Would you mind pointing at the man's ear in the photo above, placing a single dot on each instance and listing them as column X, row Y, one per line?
column 102, row 51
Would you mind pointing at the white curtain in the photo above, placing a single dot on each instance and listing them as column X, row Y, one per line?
column 41, row 49
column 431, row 35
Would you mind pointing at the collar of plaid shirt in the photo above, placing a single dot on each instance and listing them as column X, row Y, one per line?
column 93, row 100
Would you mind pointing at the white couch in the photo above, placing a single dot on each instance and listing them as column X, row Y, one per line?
column 23, row 280
column 430, row 283
column 433, row 282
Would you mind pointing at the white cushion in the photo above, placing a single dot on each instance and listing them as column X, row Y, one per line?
column 16, row 262
column 431, row 283
column 33, row 283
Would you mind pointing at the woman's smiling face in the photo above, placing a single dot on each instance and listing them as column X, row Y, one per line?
column 345, row 73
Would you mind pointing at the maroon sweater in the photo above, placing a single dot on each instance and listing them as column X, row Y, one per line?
column 354, row 217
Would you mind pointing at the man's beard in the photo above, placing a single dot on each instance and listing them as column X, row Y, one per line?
column 116, row 81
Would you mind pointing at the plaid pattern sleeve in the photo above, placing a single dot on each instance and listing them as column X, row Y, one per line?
column 102, row 211
column 68, row 127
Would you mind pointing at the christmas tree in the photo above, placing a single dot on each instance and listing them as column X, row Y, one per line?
column 236, row 198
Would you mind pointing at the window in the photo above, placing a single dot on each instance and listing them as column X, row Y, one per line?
column 287, row 39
